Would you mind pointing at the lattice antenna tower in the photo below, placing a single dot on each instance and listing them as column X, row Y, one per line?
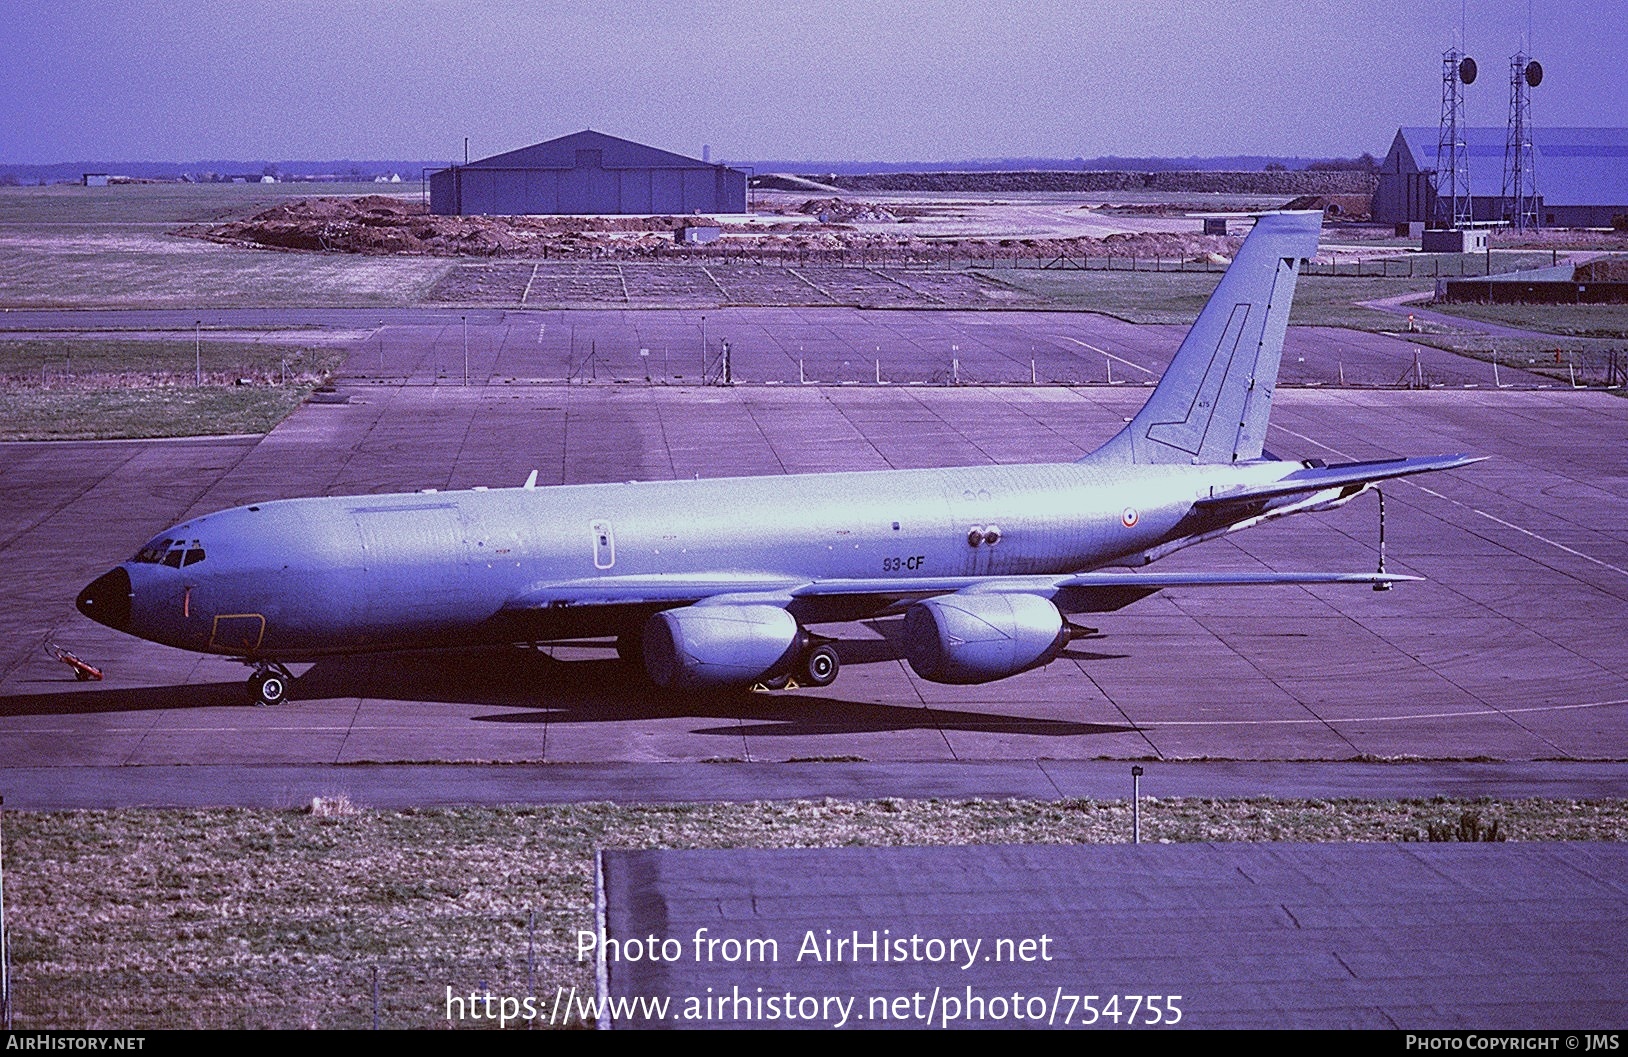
column 1520, row 168
column 1452, row 154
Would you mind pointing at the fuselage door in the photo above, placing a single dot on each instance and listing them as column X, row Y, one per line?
column 604, row 545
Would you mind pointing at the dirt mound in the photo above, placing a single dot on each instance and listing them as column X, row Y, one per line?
column 837, row 211
column 1606, row 270
column 375, row 224
column 380, row 225
column 1357, row 208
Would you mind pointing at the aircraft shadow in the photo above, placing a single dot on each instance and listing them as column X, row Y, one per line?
column 140, row 699
column 562, row 691
column 607, row 691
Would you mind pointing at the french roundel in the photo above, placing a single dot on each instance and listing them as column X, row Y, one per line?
column 1129, row 517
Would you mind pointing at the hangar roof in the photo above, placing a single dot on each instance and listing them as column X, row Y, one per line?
column 1574, row 166
column 615, row 153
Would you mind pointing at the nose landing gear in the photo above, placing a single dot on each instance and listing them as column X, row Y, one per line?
column 269, row 684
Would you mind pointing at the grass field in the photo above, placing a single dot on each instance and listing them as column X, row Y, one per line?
column 1568, row 360
column 111, row 247
column 101, row 388
column 1177, row 297
column 68, row 206
column 237, row 918
column 151, row 269
column 113, row 414
column 1587, row 321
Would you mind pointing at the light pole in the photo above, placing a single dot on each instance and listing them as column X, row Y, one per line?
column 197, row 351
column 466, row 349
column 703, row 350
column 1136, row 804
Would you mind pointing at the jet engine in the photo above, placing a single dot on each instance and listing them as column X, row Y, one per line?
column 977, row 638
column 720, row 645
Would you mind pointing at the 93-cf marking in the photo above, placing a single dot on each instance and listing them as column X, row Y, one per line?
column 912, row 563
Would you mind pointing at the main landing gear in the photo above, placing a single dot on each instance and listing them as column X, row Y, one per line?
column 817, row 666
column 269, row 684
column 820, row 664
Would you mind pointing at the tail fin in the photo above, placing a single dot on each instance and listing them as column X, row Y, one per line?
column 1212, row 404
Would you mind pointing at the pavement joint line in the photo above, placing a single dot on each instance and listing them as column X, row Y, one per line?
column 1040, row 765
column 934, row 412
column 822, row 291
column 1534, row 535
column 524, row 294
column 1502, row 712
column 1466, row 506
column 1130, row 723
column 1264, row 674
column 1478, row 698
column 1106, row 353
column 339, row 751
column 708, row 273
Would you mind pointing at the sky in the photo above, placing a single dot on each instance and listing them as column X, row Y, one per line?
column 884, row 80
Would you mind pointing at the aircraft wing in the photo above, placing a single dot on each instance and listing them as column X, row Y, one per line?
column 852, row 599
column 1352, row 476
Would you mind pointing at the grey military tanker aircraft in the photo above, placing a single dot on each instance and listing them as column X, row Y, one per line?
column 717, row 583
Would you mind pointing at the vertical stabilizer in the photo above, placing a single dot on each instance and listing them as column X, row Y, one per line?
column 1213, row 402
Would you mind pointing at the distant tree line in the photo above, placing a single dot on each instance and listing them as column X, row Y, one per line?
column 1363, row 163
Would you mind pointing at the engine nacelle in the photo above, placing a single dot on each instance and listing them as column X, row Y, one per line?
column 977, row 638
column 721, row 645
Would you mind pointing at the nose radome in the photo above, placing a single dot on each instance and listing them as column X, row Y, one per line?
column 107, row 600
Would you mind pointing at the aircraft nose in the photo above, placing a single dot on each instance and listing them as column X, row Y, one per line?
column 107, row 600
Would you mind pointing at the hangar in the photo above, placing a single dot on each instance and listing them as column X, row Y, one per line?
column 587, row 172
column 1582, row 176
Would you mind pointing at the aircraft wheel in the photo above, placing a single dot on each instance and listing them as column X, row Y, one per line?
column 820, row 665
column 268, row 688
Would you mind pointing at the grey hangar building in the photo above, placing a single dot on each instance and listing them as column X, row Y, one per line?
column 1581, row 173
column 587, row 173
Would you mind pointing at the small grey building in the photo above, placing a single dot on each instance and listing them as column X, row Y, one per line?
column 1582, row 176
column 587, row 172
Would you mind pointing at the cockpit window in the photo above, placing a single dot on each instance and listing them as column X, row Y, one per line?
column 176, row 554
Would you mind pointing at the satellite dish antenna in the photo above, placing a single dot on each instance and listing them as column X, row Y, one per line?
column 1534, row 73
column 1466, row 70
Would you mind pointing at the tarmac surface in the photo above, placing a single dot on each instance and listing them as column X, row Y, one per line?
column 1476, row 937
column 1512, row 650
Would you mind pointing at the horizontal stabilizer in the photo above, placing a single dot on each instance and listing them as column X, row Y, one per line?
column 1162, row 580
column 1352, row 475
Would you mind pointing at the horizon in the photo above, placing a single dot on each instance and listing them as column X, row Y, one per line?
column 799, row 166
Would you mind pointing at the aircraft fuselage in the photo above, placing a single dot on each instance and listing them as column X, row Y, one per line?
column 305, row 577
